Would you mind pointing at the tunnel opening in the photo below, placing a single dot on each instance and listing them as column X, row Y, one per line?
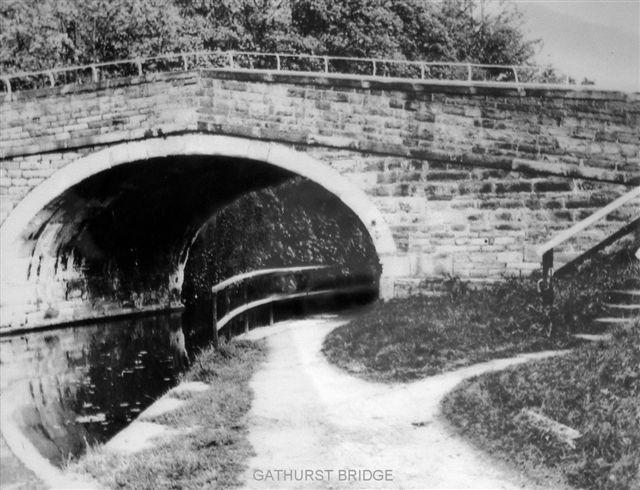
column 294, row 223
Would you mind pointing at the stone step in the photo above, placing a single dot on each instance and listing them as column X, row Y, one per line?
column 611, row 321
column 632, row 292
column 626, row 310
column 623, row 296
column 593, row 337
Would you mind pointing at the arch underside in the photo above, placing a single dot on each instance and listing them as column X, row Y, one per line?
column 117, row 239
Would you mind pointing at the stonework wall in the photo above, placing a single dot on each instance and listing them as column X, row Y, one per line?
column 595, row 129
column 599, row 130
column 474, row 223
column 469, row 179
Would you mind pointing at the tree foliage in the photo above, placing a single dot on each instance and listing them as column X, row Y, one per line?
column 411, row 29
column 45, row 33
column 298, row 222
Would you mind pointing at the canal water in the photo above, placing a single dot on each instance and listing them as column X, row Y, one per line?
column 76, row 386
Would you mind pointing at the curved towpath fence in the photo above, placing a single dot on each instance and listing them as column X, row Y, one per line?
column 243, row 293
column 432, row 71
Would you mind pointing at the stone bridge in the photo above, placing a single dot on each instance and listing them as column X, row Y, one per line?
column 109, row 182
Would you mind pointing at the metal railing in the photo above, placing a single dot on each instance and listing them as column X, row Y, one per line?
column 278, row 62
column 545, row 285
column 303, row 282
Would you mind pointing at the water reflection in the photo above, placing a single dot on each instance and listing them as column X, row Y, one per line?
column 75, row 386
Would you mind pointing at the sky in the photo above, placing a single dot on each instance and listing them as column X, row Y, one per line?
column 598, row 39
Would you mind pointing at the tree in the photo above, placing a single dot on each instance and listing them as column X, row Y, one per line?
column 355, row 28
column 251, row 25
column 479, row 36
column 450, row 30
column 44, row 33
column 30, row 35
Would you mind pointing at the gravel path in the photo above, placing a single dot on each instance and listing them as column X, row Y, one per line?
column 309, row 415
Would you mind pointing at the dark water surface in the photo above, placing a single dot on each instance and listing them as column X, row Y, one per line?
column 74, row 386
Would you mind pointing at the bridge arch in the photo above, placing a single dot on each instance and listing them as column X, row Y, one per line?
column 24, row 222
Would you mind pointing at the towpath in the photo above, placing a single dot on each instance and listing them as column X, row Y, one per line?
column 309, row 415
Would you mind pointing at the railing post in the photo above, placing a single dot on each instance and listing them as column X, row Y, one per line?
column 305, row 301
column 230, row 59
column 227, row 304
column 374, row 68
column 469, row 72
column 94, row 73
column 185, row 65
column 139, row 65
column 277, row 62
column 326, row 64
column 52, row 80
column 545, row 285
column 515, row 74
column 422, row 71
column 214, row 318
column 246, row 316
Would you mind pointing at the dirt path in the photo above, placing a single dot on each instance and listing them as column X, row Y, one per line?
column 307, row 414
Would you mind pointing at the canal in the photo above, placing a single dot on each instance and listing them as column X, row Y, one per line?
column 71, row 387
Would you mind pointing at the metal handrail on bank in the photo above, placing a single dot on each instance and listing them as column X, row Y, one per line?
column 546, row 250
column 274, row 62
column 270, row 299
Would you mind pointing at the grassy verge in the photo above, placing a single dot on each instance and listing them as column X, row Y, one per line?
column 214, row 448
column 594, row 389
column 409, row 338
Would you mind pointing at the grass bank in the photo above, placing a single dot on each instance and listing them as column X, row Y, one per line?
column 594, row 389
column 410, row 338
column 214, row 449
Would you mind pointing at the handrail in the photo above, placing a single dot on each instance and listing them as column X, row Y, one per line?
column 263, row 272
column 230, row 59
column 545, row 285
column 247, row 305
column 625, row 230
column 589, row 220
column 274, row 298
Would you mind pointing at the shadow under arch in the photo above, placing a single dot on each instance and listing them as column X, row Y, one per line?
column 24, row 290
